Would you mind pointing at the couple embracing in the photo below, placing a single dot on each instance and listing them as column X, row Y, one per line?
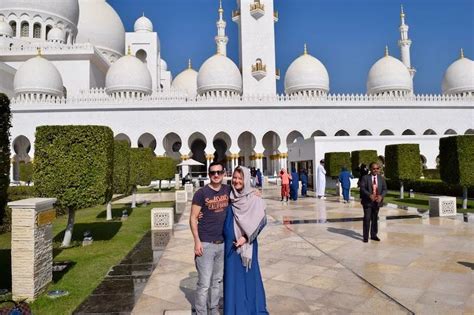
column 225, row 222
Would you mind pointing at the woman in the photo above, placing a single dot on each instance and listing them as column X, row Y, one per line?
column 243, row 287
column 345, row 180
column 285, row 184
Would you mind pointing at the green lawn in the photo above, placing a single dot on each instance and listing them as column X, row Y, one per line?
column 148, row 190
column 112, row 241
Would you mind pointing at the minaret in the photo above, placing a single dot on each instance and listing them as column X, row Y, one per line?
column 256, row 22
column 404, row 43
column 221, row 38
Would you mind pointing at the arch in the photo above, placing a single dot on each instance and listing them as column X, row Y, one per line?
column 429, row 132
column 123, row 137
column 21, row 146
column 408, row 132
column 246, row 142
column 271, row 142
column 142, row 55
column 318, row 133
column 222, row 143
column 25, row 29
column 197, row 144
column 294, row 136
column 364, row 132
column 469, row 132
column 172, row 144
column 37, row 30
column 341, row 133
column 423, row 161
column 48, row 28
column 196, row 135
column 450, row 132
column 387, row 132
column 147, row 140
column 13, row 26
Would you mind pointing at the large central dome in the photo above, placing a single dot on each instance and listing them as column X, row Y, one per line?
column 387, row 75
column 64, row 9
column 219, row 74
column 100, row 25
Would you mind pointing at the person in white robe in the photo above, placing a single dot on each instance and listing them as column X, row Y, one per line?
column 321, row 180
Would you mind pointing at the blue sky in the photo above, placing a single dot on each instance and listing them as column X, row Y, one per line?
column 347, row 36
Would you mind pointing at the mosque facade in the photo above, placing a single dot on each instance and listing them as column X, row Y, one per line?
column 58, row 69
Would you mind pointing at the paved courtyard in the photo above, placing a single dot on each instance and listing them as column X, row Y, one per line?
column 313, row 261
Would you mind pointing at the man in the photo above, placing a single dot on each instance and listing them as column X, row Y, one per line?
column 304, row 183
column 294, row 185
column 211, row 201
column 320, row 180
column 372, row 191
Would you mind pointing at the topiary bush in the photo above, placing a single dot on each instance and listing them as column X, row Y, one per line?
column 431, row 173
column 334, row 161
column 402, row 162
column 5, row 125
column 362, row 157
column 430, row 186
column 140, row 169
column 163, row 168
column 121, row 179
column 26, row 172
column 456, row 159
column 75, row 165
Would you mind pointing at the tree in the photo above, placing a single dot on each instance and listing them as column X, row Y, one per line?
column 163, row 168
column 121, row 176
column 140, row 169
column 74, row 164
column 402, row 163
column 5, row 164
column 26, row 172
column 456, row 159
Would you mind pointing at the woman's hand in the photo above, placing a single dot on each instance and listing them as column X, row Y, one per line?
column 241, row 241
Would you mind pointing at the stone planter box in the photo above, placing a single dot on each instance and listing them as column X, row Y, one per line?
column 442, row 206
column 162, row 218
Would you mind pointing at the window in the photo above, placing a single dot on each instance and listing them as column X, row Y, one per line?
column 13, row 26
column 25, row 29
column 48, row 28
column 37, row 30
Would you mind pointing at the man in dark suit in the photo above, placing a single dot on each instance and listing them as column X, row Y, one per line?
column 373, row 189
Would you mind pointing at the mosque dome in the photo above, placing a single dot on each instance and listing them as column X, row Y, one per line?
column 219, row 73
column 143, row 24
column 389, row 74
column 459, row 77
column 306, row 74
column 56, row 35
column 67, row 10
column 38, row 76
column 128, row 74
column 186, row 81
column 100, row 25
column 5, row 29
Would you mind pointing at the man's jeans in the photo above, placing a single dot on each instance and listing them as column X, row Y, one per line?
column 210, row 268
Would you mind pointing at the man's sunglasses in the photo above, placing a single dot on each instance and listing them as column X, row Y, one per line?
column 212, row 173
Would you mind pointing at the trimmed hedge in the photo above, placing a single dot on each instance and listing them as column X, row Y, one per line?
column 121, row 178
column 429, row 186
column 163, row 168
column 334, row 161
column 26, row 172
column 456, row 159
column 431, row 173
column 5, row 125
column 362, row 157
column 74, row 164
column 402, row 161
column 21, row 192
column 140, row 166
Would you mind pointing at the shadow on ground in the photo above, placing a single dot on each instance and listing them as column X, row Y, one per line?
column 101, row 231
column 346, row 232
column 5, row 269
column 467, row 264
column 116, row 212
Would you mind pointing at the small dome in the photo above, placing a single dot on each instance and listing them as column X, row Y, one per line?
column 143, row 24
column 128, row 74
column 56, row 35
column 5, row 29
column 101, row 26
column 163, row 65
column 186, row 81
column 459, row 77
column 389, row 74
column 38, row 76
column 219, row 73
column 306, row 73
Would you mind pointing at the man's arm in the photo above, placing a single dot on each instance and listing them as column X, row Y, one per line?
column 363, row 187
column 193, row 223
column 384, row 187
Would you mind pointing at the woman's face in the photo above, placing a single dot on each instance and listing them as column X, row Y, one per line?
column 238, row 181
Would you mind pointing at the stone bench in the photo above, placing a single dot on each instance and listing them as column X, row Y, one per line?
column 442, row 206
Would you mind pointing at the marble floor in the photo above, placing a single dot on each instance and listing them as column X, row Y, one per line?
column 313, row 261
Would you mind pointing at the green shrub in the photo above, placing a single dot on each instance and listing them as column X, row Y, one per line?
column 431, row 173
column 21, row 192
column 26, row 172
column 140, row 166
column 429, row 186
column 75, row 165
column 456, row 159
column 362, row 157
column 163, row 168
column 334, row 161
column 402, row 162
column 5, row 125
column 121, row 167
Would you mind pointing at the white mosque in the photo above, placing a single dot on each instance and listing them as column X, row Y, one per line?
column 71, row 62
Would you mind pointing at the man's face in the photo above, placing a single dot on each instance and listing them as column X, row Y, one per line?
column 375, row 169
column 216, row 173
